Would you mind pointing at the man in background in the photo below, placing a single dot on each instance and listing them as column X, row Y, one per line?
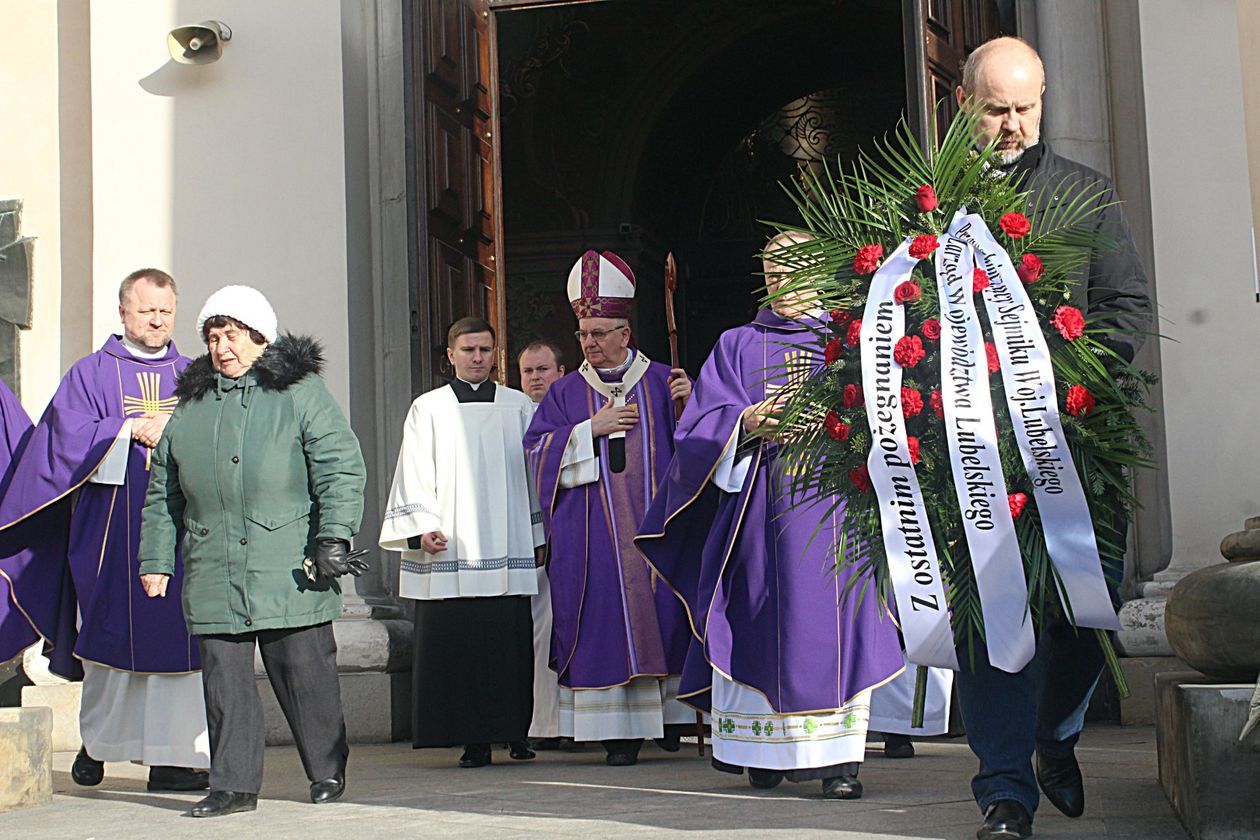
column 542, row 363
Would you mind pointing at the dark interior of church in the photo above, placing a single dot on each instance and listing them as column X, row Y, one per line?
column 653, row 126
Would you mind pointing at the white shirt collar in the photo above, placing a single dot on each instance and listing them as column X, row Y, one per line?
column 141, row 352
column 619, row 368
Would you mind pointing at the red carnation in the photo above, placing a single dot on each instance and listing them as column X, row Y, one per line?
column 911, row 402
column 832, row 351
column 1030, row 269
column 1015, row 225
column 1080, row 401
column 867, row 259
column 979, row 280
column 931, row 329
column 909, row 351
column 839, row 317
column 836, row 428
column 925, row 197
column 853, row 396
column 1017, row 502
column 990, row 353
column 861, row 477
column 923, row 246
column 853, row 333
column 907, row 292
column 913, row 443
column 1069, row 321
column 938, row 404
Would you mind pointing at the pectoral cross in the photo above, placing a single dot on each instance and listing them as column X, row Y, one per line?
column 149, row 403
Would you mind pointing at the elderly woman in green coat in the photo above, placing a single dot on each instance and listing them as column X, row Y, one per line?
column 261, row 477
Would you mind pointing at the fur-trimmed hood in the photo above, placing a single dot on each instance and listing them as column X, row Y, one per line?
column 285, row 362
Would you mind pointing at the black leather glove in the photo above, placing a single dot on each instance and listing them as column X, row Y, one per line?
column 333, row 558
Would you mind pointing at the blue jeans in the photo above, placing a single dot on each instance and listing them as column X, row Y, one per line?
column 1043, row 705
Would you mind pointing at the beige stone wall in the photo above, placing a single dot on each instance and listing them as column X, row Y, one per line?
column 232, row 172
column 1249, row 56
column 30, row 170
column 1201, row 208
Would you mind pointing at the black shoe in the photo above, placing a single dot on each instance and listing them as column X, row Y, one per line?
column 177, row 778
column 1060, row 780
column 1006, row 819
column 475, row 755
column 544, row 744
column 87, row 771
column 842, row 787
column 621, row 759
column 672, row 742
column 898, row 746
column 328, row 790
column 520, row 751
column 764, row 779
column 220, row 803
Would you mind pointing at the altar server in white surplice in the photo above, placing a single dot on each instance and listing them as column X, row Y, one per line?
column 465, row 517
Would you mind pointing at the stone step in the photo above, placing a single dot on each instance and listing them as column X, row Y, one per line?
column 26, row 756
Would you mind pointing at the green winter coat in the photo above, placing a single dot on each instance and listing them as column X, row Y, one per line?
column 249, row 473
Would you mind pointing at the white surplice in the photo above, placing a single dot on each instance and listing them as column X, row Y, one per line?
column 747, row 732
column 546, row 720
column 156, row 719
column 892, row 704
column 483, row 502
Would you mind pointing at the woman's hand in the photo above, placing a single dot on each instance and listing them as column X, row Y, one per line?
column 155, row 585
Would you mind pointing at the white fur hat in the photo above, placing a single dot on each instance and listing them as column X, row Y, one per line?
column 244, row 304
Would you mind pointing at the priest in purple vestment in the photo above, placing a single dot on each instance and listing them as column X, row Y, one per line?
column 781, row 659
column 88, row 461
column 23, row 623
column 599, row 445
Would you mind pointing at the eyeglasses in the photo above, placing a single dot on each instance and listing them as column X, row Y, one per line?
column 598, row 335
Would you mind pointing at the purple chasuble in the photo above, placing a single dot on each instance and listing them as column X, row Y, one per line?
column 120, row 626
column 613, row 620
column 755, row 568
column 23, row 622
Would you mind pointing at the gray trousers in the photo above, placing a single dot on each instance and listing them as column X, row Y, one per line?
column 301, row 663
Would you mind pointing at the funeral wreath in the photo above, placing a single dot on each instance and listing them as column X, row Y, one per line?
column 972, row 419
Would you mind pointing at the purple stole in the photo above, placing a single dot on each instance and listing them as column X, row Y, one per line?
column 754, row 568
column 613, row 620
column 120, row 627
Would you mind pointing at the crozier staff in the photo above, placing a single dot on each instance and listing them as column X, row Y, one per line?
column 261, row 472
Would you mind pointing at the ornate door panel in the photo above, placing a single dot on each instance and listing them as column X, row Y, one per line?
column 452, row 158
column 940, row 34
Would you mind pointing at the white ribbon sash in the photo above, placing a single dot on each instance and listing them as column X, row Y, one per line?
column 912, row 561
column 1028, row 379
column 977, row 466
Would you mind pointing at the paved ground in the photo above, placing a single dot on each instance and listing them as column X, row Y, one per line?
column 397, row 792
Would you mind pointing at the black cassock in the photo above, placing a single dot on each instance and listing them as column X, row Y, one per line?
column 472, row 676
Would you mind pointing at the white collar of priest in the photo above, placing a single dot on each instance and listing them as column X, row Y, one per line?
column 143, row 352
column 621, row 368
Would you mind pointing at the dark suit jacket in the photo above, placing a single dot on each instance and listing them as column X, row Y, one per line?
column 1113, row 283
